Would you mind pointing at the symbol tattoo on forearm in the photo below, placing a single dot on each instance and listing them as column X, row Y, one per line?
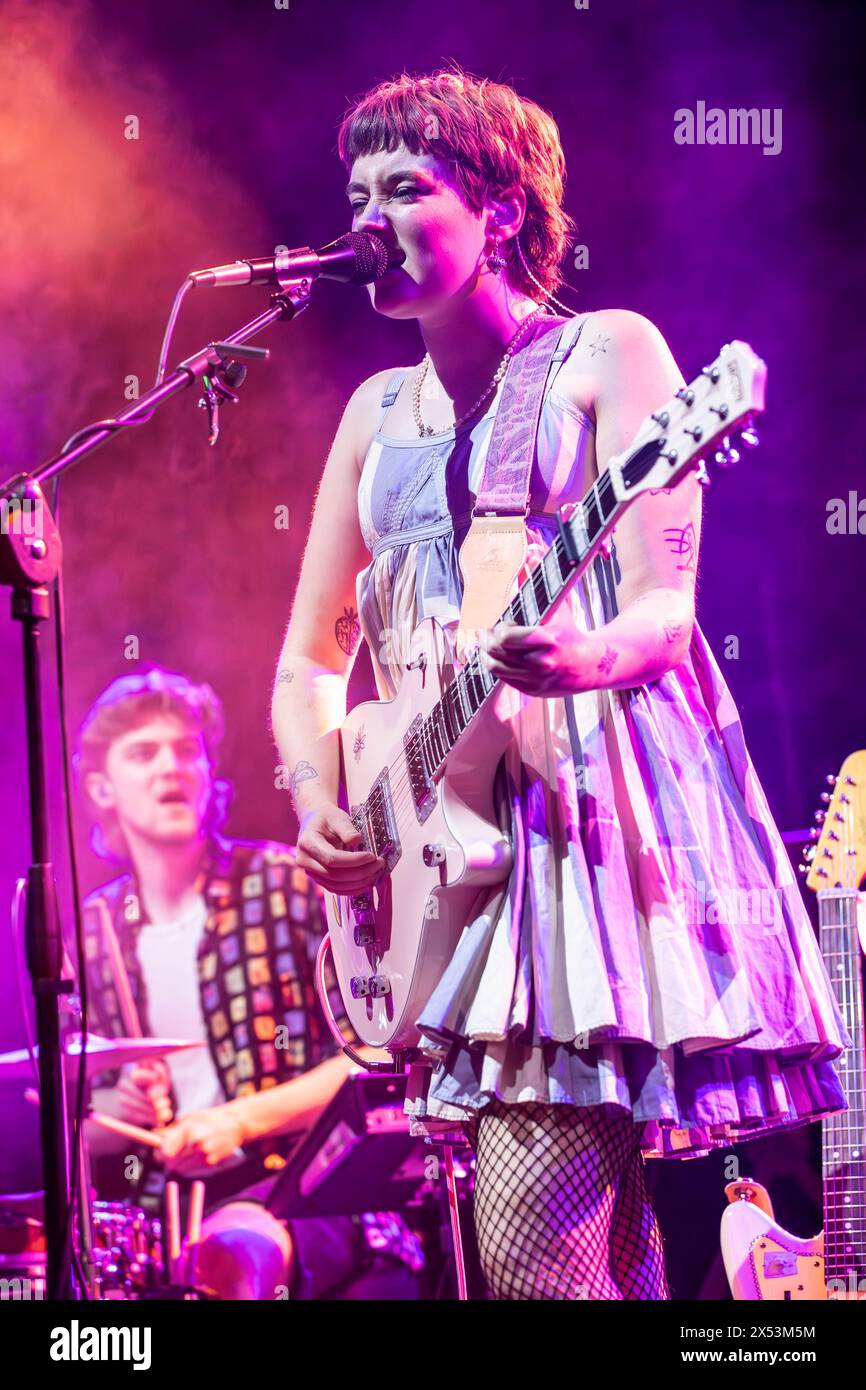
column 285, row 677
column 672, row 631
column 608, row 659
column 347, row 631
column 681, row 540
column 302, row 773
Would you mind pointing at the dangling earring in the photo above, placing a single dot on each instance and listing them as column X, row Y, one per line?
column 496, row 262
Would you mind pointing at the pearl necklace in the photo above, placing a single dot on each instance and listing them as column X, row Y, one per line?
column 427, row 430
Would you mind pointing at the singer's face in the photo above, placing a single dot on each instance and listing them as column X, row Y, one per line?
column 158, row 781
column 412, row 203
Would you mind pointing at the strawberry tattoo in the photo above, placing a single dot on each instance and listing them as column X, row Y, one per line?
column 347, row 631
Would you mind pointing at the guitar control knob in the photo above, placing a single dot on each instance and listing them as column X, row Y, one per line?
column 379, row 985
column 365, row 933
column 434, row 854
column 360, row 986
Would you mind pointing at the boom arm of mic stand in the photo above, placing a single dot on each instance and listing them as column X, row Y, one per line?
column 290, row 302
column 30, row 559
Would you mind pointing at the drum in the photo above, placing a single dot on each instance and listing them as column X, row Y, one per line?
column 127, row 1250
column 23, row 1261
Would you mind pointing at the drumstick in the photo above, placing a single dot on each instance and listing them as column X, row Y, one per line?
column 125, row 1001
column 141, row 1136
column 193, row 1226
column 172, row 1225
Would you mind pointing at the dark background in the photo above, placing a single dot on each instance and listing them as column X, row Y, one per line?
column 173, row 543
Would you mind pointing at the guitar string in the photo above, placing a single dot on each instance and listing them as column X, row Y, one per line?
column 854, row 1115
column 401, row 788
column 834, row 1130
column 841, row 1132
column 855, row 1211
column 632, row 473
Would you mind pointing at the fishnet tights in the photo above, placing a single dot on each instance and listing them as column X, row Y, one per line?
column 561, row 1206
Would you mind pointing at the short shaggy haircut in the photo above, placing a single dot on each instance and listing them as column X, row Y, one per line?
column 491, row 137
column 126, row 704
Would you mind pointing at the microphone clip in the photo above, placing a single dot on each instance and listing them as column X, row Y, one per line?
column 226, row 374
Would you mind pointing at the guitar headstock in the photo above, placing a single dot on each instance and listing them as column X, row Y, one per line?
column 837, row 859
column 678, row 437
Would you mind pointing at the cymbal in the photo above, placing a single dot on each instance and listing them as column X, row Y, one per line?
column 101, row 1054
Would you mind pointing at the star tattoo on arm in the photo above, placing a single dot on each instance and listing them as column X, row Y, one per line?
column 600, row 345
column 681, row 540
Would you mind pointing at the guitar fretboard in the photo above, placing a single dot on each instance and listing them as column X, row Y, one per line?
column 843, row 1139
column 464, row 697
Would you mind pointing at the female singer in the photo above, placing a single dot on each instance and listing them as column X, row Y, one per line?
column 614, row 998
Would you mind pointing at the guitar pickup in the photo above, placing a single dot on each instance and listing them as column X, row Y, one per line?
column 365, row 933
column 374, row 985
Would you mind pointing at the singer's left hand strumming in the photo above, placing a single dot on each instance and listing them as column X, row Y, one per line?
column 626, row 369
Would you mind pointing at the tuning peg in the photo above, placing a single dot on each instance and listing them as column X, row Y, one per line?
column 808, row 852
column 820, row 816
column 749, row 437
column 814, row 833
column 830, row 779
column 803, row 868
column 727, row 455
column 702, row 475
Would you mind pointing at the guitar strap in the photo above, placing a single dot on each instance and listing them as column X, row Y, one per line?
column 494, row 549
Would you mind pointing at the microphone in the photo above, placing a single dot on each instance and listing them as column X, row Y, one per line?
column 356, row 258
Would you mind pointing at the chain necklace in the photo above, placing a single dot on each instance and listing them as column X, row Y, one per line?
column 427, row 430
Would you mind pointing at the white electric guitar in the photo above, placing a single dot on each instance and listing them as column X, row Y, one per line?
column 418, row 770
column 763, row 1261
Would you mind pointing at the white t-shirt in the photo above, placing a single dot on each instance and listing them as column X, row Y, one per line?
column 168, row 956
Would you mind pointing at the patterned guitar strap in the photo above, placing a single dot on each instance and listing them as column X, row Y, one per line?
column 494, row 549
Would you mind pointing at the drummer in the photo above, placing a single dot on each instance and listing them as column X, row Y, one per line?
column 210, row 939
